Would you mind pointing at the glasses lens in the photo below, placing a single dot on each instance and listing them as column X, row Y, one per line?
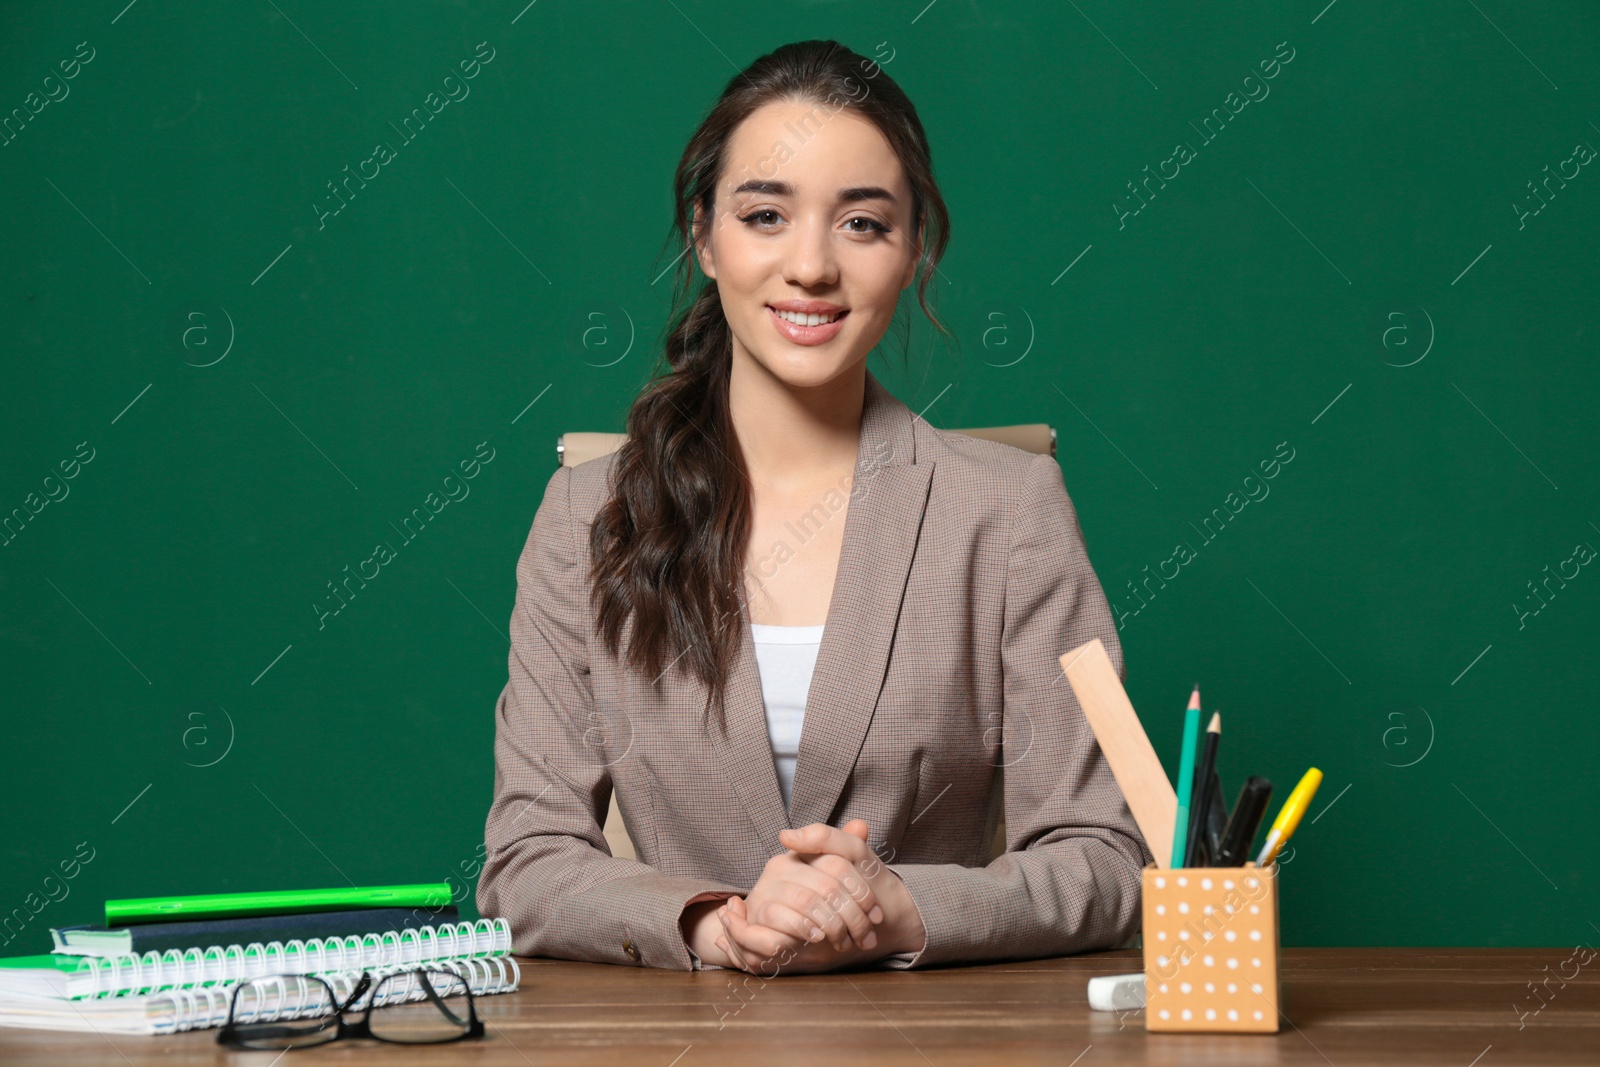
column 283, row 1011
column 417, row 1007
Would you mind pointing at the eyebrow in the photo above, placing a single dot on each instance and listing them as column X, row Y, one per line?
column 849, row 194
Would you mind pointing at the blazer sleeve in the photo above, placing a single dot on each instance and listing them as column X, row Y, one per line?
column 549, row 870
column 1069, row 880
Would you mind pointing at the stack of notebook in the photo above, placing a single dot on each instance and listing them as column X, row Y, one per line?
column 168, row 964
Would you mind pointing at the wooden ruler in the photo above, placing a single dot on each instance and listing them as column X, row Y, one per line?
column 1127, row 747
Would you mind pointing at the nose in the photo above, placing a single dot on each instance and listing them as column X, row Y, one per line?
column 810, row 261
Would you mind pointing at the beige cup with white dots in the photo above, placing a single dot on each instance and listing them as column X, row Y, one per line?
column 1211, row 948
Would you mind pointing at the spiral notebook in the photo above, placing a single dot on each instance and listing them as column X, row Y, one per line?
column 94, row 977
column 199, row 1008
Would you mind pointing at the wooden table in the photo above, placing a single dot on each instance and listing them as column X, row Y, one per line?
column 1411, row 1006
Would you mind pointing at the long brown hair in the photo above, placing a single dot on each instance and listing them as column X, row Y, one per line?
column 669, row 545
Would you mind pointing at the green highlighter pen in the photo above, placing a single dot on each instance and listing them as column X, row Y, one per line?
column 239, row 905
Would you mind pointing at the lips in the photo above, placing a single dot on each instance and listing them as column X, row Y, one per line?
column 807, row 335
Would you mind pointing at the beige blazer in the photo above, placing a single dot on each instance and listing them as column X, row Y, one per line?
column 937, row 706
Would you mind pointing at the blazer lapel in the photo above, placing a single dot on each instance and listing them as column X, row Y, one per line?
column 888, row 495
column 746, row 747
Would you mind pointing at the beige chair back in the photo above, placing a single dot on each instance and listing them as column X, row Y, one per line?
column 1037, row 437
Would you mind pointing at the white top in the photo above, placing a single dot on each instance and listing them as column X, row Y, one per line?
column 786, row 655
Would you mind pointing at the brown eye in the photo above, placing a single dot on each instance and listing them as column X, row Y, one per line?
column 872, row 225
column 747, row 219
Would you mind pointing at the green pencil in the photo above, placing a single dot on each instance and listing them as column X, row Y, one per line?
column 1191, row 736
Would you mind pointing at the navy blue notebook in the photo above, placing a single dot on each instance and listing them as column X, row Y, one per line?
column 207, row 933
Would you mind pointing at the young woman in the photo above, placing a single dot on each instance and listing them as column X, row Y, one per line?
column 810, row 641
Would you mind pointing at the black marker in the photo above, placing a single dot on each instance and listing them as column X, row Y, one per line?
column 1216, row 821
column 1245, row 821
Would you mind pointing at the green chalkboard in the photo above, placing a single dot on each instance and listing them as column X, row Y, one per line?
column 1348, row 244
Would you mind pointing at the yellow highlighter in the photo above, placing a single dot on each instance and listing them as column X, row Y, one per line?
column 1283, row 826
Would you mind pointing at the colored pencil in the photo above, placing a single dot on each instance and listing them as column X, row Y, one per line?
column 1180, row 825
column 1200, row 802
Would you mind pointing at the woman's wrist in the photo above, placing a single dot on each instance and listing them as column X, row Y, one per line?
column 913, row 938
column 701, row 928
column 903, row 931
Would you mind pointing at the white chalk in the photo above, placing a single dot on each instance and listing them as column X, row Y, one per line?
column 1117, row 992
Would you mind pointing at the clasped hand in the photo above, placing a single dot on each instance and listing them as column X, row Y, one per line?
column 827, row 902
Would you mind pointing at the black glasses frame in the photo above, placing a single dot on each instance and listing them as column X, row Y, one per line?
column 238, row 1035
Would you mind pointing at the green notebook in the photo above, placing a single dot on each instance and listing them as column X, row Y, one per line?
column 281, row 902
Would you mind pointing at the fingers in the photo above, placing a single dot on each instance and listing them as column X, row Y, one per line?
column 854, row 881
column 823, row 846
column 789, row 926
column 807, row 892
column 725, row 941
column 751, row 944
column 735, row 956
column 784, row 918
column 864, row 908
column 819, row 838
column 822, row 882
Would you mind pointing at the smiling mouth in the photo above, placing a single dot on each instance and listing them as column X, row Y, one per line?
column 802, row 319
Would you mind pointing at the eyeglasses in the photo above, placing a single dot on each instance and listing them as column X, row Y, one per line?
column 444, row 1012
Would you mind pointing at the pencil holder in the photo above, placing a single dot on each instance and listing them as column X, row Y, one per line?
column 1211, row 949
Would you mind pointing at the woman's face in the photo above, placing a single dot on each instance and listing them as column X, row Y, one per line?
column 812, row 214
